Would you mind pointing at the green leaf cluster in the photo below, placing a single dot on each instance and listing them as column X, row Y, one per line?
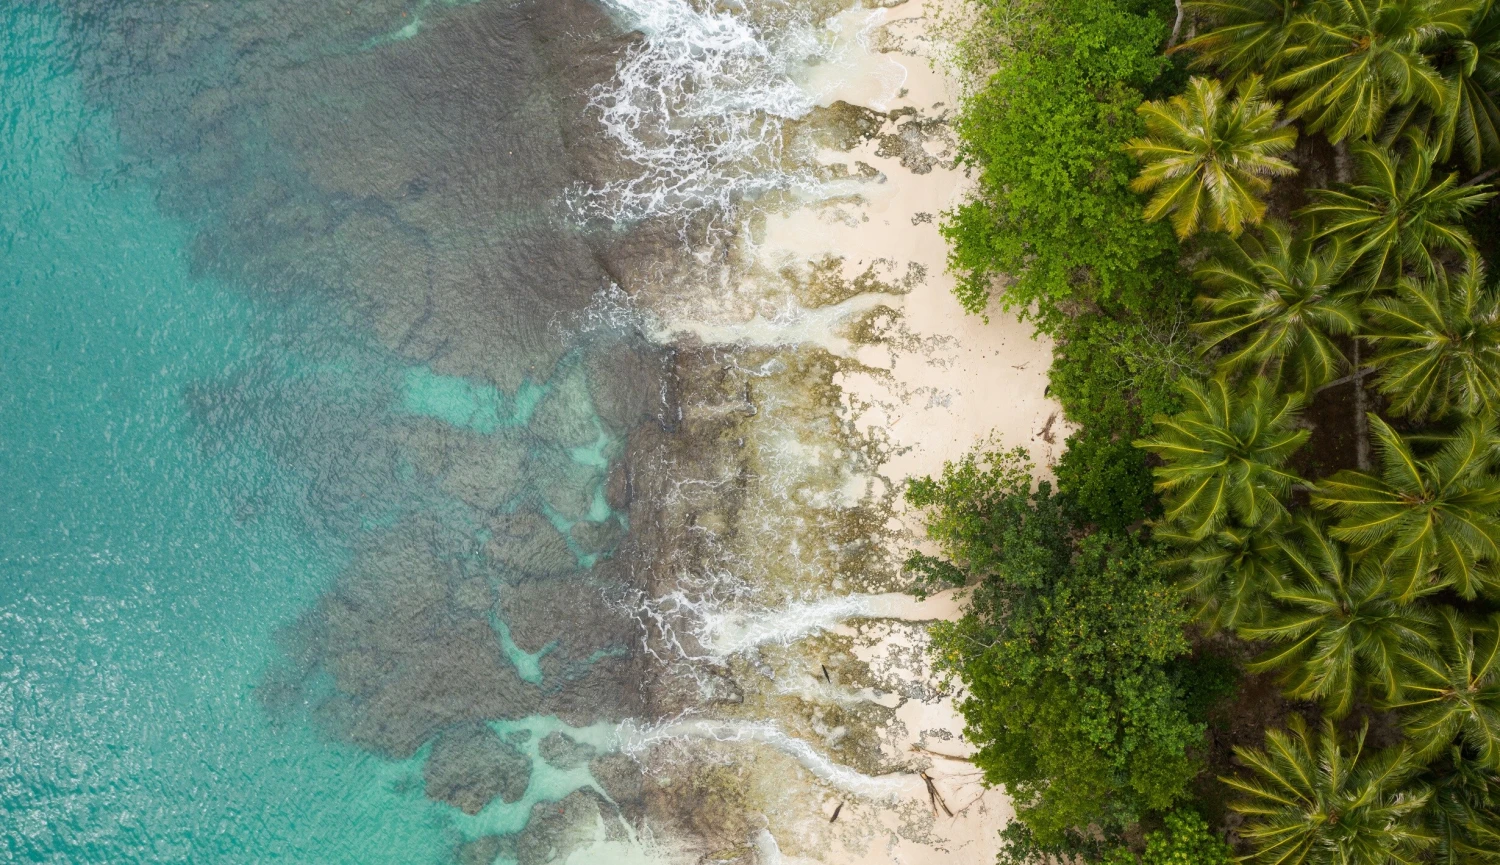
column 1066, row 653
column 1185, row 840
column 1052, row 209
column 1371, row 593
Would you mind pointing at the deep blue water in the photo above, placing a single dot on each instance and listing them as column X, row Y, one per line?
column 295, row 435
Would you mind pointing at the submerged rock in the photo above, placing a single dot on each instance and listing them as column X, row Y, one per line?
column 406, row 642
column 563, row 752
column 470, row 766
column 528, row 545
column 558, row 828
column 621, row 778
column 485, row 849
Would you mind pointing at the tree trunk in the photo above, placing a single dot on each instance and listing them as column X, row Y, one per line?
column 1361, row 423
column 1345, row 380
column 1176, row 28
column 1343, row 162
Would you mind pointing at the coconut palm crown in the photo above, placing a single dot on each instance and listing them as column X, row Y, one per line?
column 1210, row 158
column 1283, row 301
column 1452, row 692
column 1336, row 627
column 1309, row 800
column 1244, row 36
column 1437, row 345
column 1467, row 124
column 1434, row 519
column 1230, row 575
column 1350, row 61
column 1464, row 811
column 1396, row 218
column 1224, row 455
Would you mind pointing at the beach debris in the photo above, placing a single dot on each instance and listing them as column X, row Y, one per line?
column 934, row 796
column 924, row 750
column 836, row 812
column 826, row 677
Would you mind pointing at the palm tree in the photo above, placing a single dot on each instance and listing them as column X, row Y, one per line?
column 1454, row 692
column 1469, row 118
column 1464, row 811
column 1434, row 518
column 1209, row 158
column 1230, row 574
column 1310, row 800
column 1247, row 35
column 1223, row 455
column 1336, row 625
column 1438, row 345
column 1396, row 217
column 1351, row 60
column 1284, row 299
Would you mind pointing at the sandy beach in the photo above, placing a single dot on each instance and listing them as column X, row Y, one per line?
column 934, row 383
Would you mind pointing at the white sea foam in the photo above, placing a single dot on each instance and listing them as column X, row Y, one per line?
column 789, row 325
column 768, row 852
column 636, row 740
column 700, row 623
column 697, row 107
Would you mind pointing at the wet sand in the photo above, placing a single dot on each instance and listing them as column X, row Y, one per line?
column 926, row 379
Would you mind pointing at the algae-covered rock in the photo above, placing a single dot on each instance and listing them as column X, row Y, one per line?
column 562, row 751
column 597, row 538
column 565, row 417
column 567, row 485
column 528, row 545
column 485, row 849
column 621, row 778
column 558, row 828
column 470, row 765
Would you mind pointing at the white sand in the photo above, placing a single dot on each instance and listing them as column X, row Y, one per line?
column 954, row 380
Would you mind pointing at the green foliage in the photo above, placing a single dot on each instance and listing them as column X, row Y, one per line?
column 1080, row 693
column 1246, row 36
column 1351, row 60
column 1104, row 481
column 1052, row 208
column 1438, row 345
column 1467, row 124
column 1278, row 305
column 1208, row 158
column 1335, row 626
column 1206, row 680
column 1397, row 217
column 1464, row 811
column 1309, row 799
column 1065, row 652
column 1452, row 693
column 1435, row 519
column 1223, row 458
column 1186, row 840
column 1114, row 376
column 1230, row 574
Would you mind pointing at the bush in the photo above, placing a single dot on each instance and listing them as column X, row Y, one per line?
column 1185, row 841
column 1104, row 481
column 1065, row 652
column 1052, row 207
column 1112, row 377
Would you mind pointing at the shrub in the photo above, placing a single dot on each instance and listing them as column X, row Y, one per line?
column 1186, row 840
column 1065, row 652
column 1104, row 480
column 1052, row 207
column 1114, row 376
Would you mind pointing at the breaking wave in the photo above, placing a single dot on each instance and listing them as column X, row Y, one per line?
column 697, row 108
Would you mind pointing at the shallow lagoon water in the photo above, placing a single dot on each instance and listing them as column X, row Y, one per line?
column 291, row 444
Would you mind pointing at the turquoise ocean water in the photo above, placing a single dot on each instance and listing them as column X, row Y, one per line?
column 276, row 503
